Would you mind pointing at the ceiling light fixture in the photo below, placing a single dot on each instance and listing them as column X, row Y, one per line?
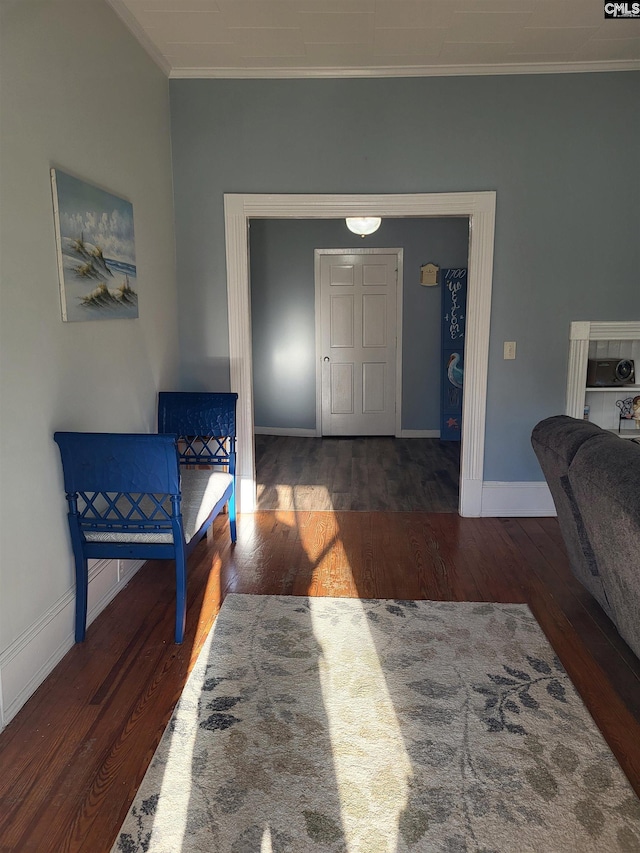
column 363, row 225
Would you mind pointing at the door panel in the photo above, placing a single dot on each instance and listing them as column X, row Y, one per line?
column 341, row 389
column 373, row 382
column 341, row 274
column 376, row 274
column 358, row 342
column 342, row 317
column 374, row 320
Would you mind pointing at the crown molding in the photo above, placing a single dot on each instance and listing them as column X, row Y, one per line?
column 406, row 70
column 140, row 35
column 604, row 330
column 466, row 70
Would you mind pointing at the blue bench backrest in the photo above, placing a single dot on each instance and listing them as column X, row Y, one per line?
column 205, row 424
column 120, row 482
column 119, row 462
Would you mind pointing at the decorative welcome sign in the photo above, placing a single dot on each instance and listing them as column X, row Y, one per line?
column 454, row 303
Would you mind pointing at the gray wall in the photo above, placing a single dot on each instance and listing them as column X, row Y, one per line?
column 283, row 312
column 78, row 93
column 560, row 151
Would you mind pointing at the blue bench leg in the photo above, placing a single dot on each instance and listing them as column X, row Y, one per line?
column 82, row 584
column 232, row 516
column 181, row 594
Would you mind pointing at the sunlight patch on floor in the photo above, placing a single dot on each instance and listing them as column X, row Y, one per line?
column 212, row 592
column 175, row 792
column 265, row 844
column 371, row 764
column 298, row 497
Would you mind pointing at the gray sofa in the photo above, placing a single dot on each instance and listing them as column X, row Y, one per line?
column 594, row 478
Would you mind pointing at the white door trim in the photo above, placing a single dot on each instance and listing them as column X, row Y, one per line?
column 399, row 253
column 480, row 207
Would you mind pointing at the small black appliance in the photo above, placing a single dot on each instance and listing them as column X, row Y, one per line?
column 602, row 372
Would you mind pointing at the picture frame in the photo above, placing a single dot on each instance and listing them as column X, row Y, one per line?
column 95, row 251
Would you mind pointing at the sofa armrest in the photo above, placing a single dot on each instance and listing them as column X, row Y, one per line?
column 605, row 479
column 556, row 441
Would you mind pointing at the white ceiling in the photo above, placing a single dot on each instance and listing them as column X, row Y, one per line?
column 322, row 38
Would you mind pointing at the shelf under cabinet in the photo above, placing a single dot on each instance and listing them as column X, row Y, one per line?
column 604, row 412
column 631, row 389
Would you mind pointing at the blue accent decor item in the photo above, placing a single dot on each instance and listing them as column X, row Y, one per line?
column 454, row 304
column 135, row 496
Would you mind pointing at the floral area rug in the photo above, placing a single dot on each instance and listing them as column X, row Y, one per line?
column 327, row 725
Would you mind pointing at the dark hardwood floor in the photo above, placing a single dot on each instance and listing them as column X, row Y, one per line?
column 71, row 761
column 362, row 473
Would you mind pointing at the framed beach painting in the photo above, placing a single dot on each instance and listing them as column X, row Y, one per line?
column 96, row 251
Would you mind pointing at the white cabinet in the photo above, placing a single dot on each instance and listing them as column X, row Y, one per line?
column 602, row 340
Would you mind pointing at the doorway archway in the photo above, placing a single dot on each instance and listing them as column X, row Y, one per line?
column 479, row 207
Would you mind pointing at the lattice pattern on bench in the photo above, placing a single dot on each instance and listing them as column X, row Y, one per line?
column 120, row 514
column 203, row 450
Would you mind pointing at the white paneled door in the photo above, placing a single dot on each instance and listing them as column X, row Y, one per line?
column 358, row 343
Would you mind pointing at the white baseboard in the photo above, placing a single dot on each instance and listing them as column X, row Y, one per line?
column 517, row 500
column 420, row 433
column 293, row 431
column 32, row 656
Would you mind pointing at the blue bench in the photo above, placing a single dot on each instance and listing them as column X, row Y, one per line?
column 137, row 496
